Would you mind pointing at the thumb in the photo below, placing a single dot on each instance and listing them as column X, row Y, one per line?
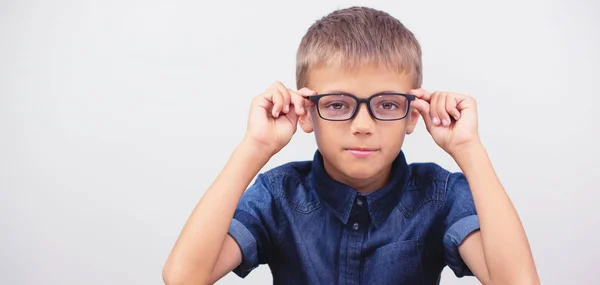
column 307, row 92
column 292, row 117
column 423, row 107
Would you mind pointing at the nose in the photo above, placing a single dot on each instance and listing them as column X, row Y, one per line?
column 362, row 123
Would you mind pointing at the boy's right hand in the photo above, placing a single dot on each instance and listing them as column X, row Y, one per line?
column 274, row 116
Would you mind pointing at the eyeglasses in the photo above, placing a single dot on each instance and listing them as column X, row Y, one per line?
column 387, row 106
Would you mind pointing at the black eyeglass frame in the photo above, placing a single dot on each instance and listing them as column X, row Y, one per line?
column 359, row 101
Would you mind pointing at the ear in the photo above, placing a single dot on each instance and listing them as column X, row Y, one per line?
column 413, row 118
column 305, row 121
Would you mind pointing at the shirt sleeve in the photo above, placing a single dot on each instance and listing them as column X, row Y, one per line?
column 460, row 219
column 253, row 225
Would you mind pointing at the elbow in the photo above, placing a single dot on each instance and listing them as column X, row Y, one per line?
column 525, row 280
column 171, row 277
column 529, row 279
column 174, row 275
column 534, row 280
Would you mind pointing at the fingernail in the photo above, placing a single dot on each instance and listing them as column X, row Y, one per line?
column 445, row 122
column 436, row 121
column 302, row 110
column 286, row 109
column 456, row 118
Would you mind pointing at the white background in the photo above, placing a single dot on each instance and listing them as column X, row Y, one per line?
column 115, row 117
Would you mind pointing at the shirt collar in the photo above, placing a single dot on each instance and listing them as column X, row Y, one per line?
column 340, row 197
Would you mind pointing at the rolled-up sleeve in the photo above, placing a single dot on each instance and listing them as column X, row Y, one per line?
column 253, row 226
column 460, row 220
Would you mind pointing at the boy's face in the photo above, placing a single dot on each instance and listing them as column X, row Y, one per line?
column 343, row 143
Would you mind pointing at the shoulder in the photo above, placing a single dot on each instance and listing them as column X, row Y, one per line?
column 291, row 183
column 429, row 174
column 281, row 177
column 426, row 182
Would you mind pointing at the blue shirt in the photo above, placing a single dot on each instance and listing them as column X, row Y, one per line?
column 311, row 229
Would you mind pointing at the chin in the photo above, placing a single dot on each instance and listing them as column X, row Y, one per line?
column 359, row 171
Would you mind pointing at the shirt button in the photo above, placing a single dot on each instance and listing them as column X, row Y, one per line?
column 355, row 226
column 359, row 202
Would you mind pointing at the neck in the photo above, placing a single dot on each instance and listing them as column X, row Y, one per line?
column 362, row 185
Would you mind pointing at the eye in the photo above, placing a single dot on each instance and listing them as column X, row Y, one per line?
column 388, row 105
column 336, row 105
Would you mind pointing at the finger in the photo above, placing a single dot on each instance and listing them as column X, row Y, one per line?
column 263, row 101
column 285, row 96
column 306, row 92
column 451, row 104
column 286, row 99
column 421, row 94
column 277, row 100
column 292, row 117
column 462, row 101
column 441, row 109
column 433, row 102
column 266, row 100
column 298, row 101
column 423, row 107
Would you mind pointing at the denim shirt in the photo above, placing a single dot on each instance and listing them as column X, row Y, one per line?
column 311, row 229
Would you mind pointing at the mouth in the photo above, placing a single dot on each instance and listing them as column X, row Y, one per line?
column 361, row 152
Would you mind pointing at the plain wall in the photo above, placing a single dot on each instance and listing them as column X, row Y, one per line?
column 116, row 116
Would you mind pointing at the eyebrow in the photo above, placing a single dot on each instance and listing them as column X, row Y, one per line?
column 341, row 92
column 337, row 92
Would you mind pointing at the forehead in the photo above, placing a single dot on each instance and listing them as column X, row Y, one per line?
column 362, row 81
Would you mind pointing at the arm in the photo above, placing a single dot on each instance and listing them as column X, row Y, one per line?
column 203, row 239
column 204, row 252
column 500, row 252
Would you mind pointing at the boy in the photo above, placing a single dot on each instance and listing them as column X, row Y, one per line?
column 357, row 213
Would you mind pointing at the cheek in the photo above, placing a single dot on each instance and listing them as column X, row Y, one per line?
column 393, row 137
column 328, row 134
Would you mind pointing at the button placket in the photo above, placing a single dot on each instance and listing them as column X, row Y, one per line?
column 358, row 225
column 359, row 214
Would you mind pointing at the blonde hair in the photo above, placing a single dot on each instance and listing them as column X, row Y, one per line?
column 356, row 36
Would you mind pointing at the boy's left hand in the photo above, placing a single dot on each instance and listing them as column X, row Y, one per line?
column 450, row 118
